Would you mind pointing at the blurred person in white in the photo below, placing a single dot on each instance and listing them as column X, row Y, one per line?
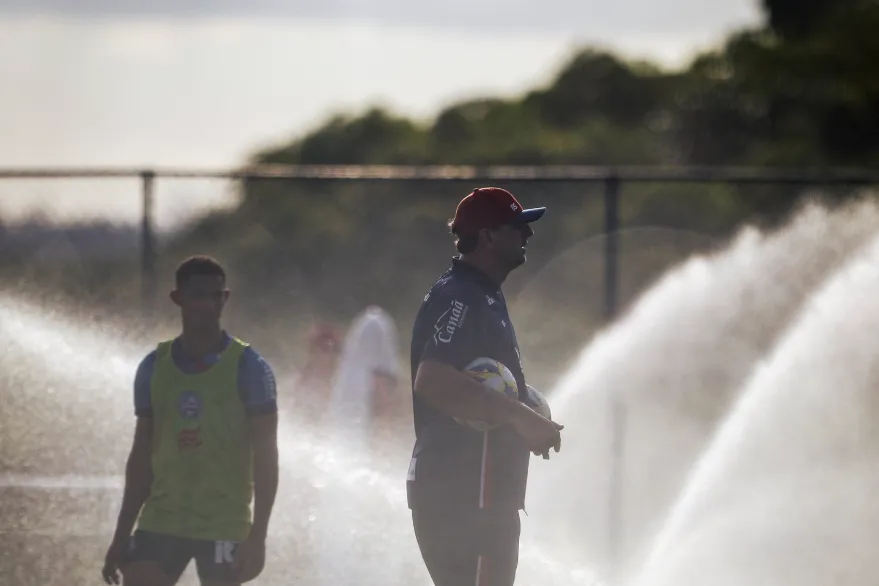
column 366, row 404
column 364, row 419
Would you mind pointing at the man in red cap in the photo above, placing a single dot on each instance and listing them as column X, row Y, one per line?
column 466, row 487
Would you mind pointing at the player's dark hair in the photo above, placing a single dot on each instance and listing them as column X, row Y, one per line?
column 464, row 243
column 199, row 264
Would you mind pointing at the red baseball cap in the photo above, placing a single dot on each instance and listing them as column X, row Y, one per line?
column 491, row 207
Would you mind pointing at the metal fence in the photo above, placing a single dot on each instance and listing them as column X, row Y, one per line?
column 605, row 183
column 610, row 178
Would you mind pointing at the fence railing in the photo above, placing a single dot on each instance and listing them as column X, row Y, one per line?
column 610, row 177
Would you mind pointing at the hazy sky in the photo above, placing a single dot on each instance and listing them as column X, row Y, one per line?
column 560, row 16
column 139, row 82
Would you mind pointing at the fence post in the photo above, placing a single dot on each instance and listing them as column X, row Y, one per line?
column 611, row 230
column 147, row 243
column 617, row 408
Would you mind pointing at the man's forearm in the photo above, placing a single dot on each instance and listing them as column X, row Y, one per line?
column 265, row 487
column 459, row 395
column 138, row 481
column 479, row 405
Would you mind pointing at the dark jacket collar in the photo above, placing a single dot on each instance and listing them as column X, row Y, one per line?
column 467, row 270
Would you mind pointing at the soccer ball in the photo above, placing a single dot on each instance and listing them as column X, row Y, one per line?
column 496, row 377
column 542, row 405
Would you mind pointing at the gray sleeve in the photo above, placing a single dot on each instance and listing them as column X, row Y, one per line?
column 256, row 384
column 143, row 405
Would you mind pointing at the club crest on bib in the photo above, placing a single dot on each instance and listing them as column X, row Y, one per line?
column 190, row 405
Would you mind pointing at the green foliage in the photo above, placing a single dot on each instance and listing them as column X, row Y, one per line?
column 803, row 91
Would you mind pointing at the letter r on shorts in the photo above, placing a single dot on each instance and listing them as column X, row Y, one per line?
column 223, row 552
